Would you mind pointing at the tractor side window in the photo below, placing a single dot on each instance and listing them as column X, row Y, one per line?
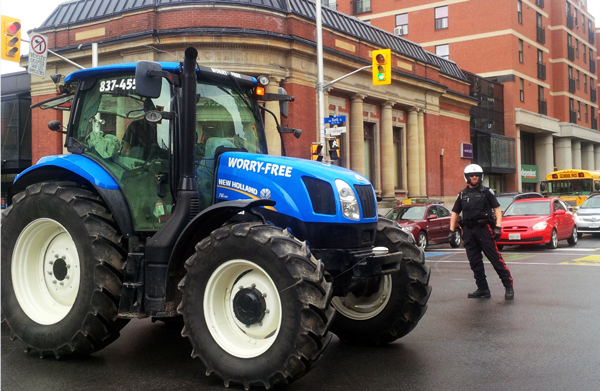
column 112, row 128
column 224, row 118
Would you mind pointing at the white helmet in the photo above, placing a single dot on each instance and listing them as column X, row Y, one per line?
column 473, row 169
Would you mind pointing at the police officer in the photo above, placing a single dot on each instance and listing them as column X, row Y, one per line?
column 479, row 206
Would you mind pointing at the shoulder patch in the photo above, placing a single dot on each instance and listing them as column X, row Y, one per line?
column 491, row 191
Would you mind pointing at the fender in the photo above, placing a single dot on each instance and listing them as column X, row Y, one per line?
column 77, row 168
column 200, row 227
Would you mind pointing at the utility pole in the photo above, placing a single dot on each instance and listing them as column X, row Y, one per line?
column 320, row 86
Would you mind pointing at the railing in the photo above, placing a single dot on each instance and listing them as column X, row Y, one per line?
column 541, row 68
column 541, row 35
column 570, row 21
column 571, row 85
column 571, row 52
column 362, row 6
column 594, row 123
column 592, row 94
column 539, row 3
column 592, row 65
column 572, row 117
column 591, row 36
column 542, row 107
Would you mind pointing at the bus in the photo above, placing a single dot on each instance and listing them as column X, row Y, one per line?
column 572, row 186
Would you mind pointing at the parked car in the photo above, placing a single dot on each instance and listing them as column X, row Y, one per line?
column 538, row 221
column 427, row 223
column 587, row 216
column 506, row 199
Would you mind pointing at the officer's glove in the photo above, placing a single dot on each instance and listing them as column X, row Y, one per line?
column 497, row 232
column 451, row 236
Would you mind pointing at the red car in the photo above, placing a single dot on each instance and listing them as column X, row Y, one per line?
column 537, row 221
column 428, row 223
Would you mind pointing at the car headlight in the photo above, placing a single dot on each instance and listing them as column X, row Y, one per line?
column 578, row 218
column 540, row 226
column 408, row 230
column 348, row 199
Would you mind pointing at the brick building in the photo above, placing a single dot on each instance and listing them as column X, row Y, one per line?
column 542, row 51
column 402, row 136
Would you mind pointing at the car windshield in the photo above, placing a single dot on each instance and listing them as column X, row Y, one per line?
column 504, row 201
column 590, row 203
column 528, row 209
column 407, row 213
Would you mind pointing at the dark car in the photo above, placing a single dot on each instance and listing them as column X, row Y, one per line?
column 506, row 199
column 427, row 223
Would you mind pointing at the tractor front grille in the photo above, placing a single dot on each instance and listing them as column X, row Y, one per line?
column 366, row 199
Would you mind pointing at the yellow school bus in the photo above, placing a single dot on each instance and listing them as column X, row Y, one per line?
column 572, row 186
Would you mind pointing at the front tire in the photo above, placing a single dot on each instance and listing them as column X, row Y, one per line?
column 574, row 237
column 553, row 240
column 255, row 305
column 396, row 308
column 62, row 270
column 422, row 240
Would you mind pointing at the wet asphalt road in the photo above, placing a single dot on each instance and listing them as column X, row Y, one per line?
column 548, row 338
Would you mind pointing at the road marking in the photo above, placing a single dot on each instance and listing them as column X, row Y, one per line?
column 597, row 263
column 427, row 255
column 590, row 260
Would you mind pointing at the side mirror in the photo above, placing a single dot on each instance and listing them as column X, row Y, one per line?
column 597, row 186
column 543, row 186
column 560, row 212
column 284, row 107
column 148, row 82
column 431, row 217
column 55, row 126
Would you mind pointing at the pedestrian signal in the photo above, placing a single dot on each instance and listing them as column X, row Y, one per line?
column 316, row 149
column 334, row 147
column 382, row 67
column 11, row 38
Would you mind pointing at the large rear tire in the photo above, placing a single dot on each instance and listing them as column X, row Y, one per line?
column 62, row 270
column 396, row 308
column 255, row 305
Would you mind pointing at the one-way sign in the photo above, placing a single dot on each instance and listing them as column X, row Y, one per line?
column 38, row 52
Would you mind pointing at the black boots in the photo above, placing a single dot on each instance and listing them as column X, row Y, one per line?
column 510, row 294
column 479, row 293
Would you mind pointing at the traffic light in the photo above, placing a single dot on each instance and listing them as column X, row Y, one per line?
column 334, row 147
column 382, row 67
column 11, row 38
column 315, row 150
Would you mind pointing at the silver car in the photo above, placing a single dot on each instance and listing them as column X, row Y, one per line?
column 587, row 216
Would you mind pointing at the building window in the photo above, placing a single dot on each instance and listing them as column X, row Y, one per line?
column 441, row 17
column 584, row 83
column 520, row 11
column 576, row 48
column 583, row 22
column 575, row 17
column 329, row 3
column 361, row 6
column 578, row 110
column 369, row 152
column 443, row 51
column 520, row 50
column 584, row 52
column 578, row 87
column 401, row 24
column 398, row 158
column 586, row 112
column 522, row 89
column 527, row 148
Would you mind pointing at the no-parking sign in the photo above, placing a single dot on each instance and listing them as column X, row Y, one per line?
column 38, row 52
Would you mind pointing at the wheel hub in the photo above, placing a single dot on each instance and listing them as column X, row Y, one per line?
column 249, row 305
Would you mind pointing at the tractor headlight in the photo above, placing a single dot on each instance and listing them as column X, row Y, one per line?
column 348, row 200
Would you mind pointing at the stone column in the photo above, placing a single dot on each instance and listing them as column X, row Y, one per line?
column 576, row 154
column 544, row 152
column 422, row 160
column 387, row 153
column 596, row 156
column 414, row 187
column 272, row 135
column 587, row 156
column 357, row 134
column 563, row 153
column 518, row 158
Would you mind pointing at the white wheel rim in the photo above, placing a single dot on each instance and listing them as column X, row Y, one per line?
column 226, row 329
column 422, row 241
column 575, row 234
column 363, row 308
column 554, row 238
column 45, row 271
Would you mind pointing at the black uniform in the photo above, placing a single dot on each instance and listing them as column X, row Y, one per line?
column 476, row 205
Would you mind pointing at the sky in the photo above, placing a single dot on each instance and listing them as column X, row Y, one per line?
column 33, row 13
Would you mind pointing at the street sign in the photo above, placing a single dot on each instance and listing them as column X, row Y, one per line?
column 38, row 52
column 335, row 120
column 335, row 131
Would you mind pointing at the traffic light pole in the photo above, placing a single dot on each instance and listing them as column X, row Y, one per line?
column 59, row 56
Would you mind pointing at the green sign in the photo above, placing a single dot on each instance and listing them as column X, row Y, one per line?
column 529, row 173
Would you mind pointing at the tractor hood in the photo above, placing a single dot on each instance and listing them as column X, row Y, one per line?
column 303, row 189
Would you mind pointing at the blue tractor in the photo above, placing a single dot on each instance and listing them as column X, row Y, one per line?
column 169, row 207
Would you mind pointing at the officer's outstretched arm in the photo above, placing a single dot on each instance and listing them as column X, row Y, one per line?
column 498, row 214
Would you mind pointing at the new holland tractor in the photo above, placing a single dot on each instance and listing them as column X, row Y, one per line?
column 168, row 205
